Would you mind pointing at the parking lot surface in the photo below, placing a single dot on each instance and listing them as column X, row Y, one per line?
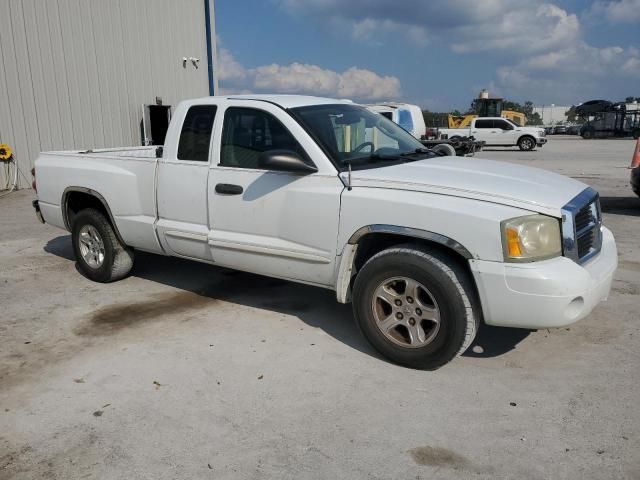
column 184, row 370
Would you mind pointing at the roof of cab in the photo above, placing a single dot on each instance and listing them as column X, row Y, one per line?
column 285, row 101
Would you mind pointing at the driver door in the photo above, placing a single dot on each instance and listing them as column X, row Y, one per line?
column 276, row 223
column 506, row 132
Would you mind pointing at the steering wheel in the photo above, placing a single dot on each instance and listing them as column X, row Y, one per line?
column 363, row 145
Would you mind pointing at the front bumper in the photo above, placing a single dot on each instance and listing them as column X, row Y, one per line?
column 550, row 293
column 541, row 141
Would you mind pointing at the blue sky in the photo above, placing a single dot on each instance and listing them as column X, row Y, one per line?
column 436, row 53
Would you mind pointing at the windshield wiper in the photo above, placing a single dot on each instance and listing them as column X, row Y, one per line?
column 371, row 159
column 417, row 151
column 376, row 158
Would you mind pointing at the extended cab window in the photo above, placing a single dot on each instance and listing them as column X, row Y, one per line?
column 195, row 136
column 484, row 123
column 248, row 132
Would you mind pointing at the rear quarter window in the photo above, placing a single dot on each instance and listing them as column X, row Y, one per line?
column 195, row 136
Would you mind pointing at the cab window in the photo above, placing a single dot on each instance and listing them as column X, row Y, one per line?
column 484, row 123
column 195, row 136
column 248, row 132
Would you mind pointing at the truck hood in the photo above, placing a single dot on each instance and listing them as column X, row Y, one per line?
column 533, row 130
column 486, row 180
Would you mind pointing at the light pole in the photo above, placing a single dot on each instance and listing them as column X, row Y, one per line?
column 552, row 105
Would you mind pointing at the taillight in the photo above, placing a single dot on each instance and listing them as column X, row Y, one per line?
column 33, row 183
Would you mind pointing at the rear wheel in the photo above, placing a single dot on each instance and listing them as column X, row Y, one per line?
column 416, row 307
column 100, row 255
column 445, row 150
column 526, row 143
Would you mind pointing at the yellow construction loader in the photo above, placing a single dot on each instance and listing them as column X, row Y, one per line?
column 487, row 107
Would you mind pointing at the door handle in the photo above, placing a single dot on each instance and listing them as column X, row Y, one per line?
column 228, row 189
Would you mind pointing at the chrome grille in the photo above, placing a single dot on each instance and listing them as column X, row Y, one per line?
column 581, row 222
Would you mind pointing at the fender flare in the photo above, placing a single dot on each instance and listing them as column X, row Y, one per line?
column 93, row 193
column 345, row 268
column 535, row 140
column 410, row 232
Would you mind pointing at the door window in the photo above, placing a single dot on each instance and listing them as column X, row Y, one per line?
column 484, row 123
column 248, row 132
column 405, row 120
column 195, row 136
column 504, row 125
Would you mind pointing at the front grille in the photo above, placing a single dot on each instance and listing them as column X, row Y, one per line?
column 582, row 238
column 585, row 243
column 585, row 218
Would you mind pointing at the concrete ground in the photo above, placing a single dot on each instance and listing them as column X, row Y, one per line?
column 187, row 371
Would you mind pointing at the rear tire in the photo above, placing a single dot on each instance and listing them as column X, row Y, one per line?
column 100, row 256
column 387, row 292
column 526, row 143
column 445, row 150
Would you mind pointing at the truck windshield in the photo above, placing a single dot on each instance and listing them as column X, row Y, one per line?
column 354, row 135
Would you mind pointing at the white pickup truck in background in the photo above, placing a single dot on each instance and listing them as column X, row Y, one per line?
column 499, row 132
column 410, row 117
column 328, row 193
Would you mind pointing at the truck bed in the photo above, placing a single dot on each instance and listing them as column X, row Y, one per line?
column 123, row 177
column 119, row 152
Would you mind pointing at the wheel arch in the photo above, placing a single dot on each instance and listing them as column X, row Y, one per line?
column 75, row 199
column 527, row 135
column 371, row 239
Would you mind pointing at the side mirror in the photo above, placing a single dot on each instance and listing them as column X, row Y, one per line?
column 284, row 161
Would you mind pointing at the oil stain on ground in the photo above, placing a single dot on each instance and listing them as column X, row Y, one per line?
column 114, row 318
column 439, row 457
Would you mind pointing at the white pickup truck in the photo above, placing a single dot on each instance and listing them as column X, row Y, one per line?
column 328, row 193
column 499, row 132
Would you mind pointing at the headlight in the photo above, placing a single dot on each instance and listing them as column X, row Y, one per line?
column 531, row 238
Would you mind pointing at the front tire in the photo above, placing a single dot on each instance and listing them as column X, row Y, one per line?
column 416, row 307
column 588, row 133
column 100, row 255
column 526, row 143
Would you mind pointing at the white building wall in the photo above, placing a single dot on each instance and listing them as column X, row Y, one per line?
column 552, row 115
column 74, row 73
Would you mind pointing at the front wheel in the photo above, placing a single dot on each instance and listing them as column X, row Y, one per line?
column 588, row 133
column 416, row 307
column 526, row 143
column 101, row 256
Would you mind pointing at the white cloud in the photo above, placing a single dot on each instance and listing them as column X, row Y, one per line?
column 354, row 83
column 620, row 11
column 574, row 73
column 370, row 30
column 521, row 31
column 541, row 45
column 228, row 67
column 530, row 26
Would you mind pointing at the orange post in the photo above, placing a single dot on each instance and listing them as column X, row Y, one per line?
column 635, row 160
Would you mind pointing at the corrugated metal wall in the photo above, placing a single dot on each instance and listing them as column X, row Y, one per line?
column 74, row 73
